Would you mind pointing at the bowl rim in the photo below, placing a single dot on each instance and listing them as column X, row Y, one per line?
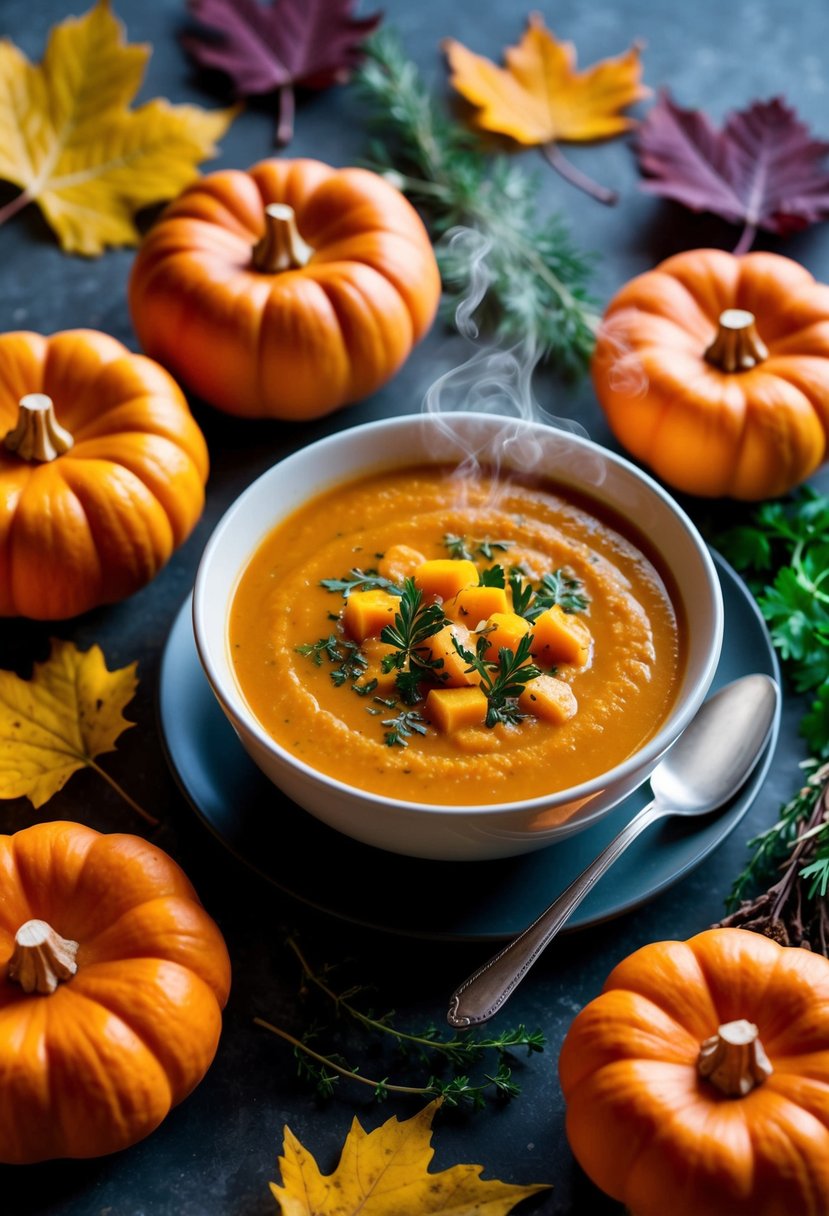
column 245, row 720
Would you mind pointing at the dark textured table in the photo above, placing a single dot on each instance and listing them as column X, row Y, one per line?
column 214, row 1155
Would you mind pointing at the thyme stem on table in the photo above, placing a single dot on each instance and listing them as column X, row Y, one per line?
column 459, row 1051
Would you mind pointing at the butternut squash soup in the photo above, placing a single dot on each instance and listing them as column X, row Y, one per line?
column 455, row 640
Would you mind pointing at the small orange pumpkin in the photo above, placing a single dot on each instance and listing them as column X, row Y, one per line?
column 112, row 982
column 713, row 370
column 698, row 1082
column 287, row 291
column 102, row 472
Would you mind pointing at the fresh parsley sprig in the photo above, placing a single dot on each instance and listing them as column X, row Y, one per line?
column 782, row 550
column 556, row 587
column 787, row 541
column 414, row 623
column 426, row 1047
column 501, row 682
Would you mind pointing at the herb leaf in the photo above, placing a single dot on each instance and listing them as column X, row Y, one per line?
column 562, row 588
column 504, row 681
column 413, row 624
column 493, row 577
column 401, row 727
column 360, row 580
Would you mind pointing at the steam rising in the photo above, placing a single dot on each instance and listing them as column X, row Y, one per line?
column 492, row 380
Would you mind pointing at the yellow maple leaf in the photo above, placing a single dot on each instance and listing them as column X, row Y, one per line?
column 385, row 1173
column 69, row 712
column 540, row 99
column 69, row 140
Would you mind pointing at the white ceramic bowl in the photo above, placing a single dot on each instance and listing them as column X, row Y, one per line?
column 456, row 832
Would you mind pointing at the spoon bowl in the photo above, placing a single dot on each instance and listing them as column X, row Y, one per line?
column 700, row 774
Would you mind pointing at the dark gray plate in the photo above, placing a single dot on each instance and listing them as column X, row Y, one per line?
column 467, row 900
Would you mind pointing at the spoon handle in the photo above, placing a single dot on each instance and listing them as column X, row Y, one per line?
column 487, row 989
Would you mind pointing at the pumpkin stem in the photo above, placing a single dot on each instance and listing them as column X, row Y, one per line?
column 42, row 958
column 734, row 1059
column 38, row 435
column 737, row 345
column 281, row 247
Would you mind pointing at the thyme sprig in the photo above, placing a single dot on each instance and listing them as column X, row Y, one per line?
column 538, row 277
column 793, row 910
column 460, row 1052
column 466, row 547
column 360, row 580
column 402, row 726
column 348, row 661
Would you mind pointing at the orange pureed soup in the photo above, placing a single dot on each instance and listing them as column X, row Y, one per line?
column 456, row 640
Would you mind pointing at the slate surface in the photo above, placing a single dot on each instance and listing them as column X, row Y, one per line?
column 215, row 1154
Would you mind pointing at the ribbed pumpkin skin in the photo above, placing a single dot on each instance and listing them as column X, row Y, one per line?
column 97, row 1064
column 299, row 343
column 660, row 1139
column 747, row 435
column 99, row 521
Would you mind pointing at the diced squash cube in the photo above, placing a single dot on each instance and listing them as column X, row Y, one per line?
column 507, row 630
column 441, row 647
column 445, row 577
column 367, row 612
column 475, row 604
column 452, row 709
column 375, row 651
column 548, row 698
column 561, row 637
column 399, row 562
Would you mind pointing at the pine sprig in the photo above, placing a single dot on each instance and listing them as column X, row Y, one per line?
column 537, row 290
column 459, row 1052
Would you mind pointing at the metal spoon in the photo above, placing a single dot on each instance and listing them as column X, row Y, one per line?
column 703, row 770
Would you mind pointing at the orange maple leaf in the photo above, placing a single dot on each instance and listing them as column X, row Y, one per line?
column 539, row 98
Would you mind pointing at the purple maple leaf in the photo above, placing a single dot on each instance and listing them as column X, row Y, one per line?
column 763, row 169
column 271, row 47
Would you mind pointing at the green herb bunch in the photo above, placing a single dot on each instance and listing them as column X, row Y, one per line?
column 502, row 680
column 448, row 1063
column 537, row 290
column 783, row 551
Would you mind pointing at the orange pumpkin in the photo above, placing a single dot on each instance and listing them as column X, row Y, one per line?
column 713, row 370
column 112, row 982
column 102, row 472
column 698, row 1082
column 287, row 291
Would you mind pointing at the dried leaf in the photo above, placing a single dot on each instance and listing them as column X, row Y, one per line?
column 763, row 169
column 60, row 720
column 68, row 139
column 385, row 1173
column 540, row 99
column 271, row 47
